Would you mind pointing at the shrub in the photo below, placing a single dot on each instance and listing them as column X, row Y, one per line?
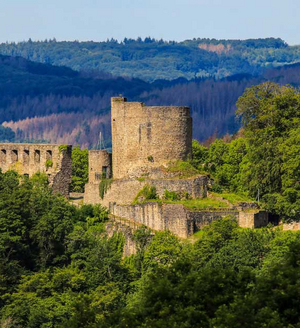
column 49, row 163
column 171, row 195
column 147, row 193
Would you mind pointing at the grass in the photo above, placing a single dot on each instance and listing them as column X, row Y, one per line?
column 200, row 204
column 146, row 193
column 184, row 169
column 234, row 199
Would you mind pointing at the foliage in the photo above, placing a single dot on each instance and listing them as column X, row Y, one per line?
column 59, row 269
column 152, row 59
column 62, row 148
column 200, row 154
column 271, row 116
column 104, row 185
column 146, row 193
column 233, row 198
column 80, row 162
column 37, row 99
column 263, row 164
column 171, row 195
column 182, row 169
column 6, row 134
column 49, row 163
column 200, row 204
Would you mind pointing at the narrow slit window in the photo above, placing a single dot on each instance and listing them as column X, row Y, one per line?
column 49, row 155
column 14, row 156
column 26, row 157
column 3, row 156
column 37, row 156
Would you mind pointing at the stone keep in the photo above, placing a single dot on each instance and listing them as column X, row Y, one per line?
column 147, row 137
column 28, row 159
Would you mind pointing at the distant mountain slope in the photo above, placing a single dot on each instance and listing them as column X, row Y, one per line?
column 151, row 60
column 43, row 102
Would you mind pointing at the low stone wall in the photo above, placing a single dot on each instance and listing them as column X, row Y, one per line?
column 123, row 191
column 253, row 219
column 291, row 226
column 179, row 220
column 129, row 246
column 201, row 219
column 173, row 217
column 196, row 187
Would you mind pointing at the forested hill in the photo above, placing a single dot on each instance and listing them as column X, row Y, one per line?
column 150, row 59
column 56, row 104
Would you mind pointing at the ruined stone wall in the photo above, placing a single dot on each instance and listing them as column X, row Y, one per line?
column 196, row 187
column 201, row 219
column 250, row 219
column 173, row 217
column 181, row 221
column 120, row 191
column 28, row 159
column 99, row 165
column 129, row 245
column 294, row 225
column 123, row 191
column 147, row 137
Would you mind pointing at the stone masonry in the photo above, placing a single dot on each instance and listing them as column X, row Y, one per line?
column 147, row 137
column 28, row 159
column 99, row 168
column 181, row 221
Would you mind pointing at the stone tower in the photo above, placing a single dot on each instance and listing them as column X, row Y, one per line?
column 144, row 138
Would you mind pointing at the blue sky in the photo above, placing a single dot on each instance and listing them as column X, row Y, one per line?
column 168, row 19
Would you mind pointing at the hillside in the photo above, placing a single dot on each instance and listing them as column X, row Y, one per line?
column 59, row 269
column 45, row 102
column 150, row 59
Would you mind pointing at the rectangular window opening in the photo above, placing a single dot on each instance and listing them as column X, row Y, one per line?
column 37, row 156
column 49, row 155
column 14, row 156
column 26, row 157
column 3, row 156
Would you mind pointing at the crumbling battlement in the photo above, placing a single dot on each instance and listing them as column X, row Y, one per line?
column 28, row 159
column 147, row 137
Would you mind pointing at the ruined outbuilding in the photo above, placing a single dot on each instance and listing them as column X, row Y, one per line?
column 28, row 159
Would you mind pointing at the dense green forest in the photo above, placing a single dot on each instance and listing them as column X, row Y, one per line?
column 58, row 269
column 263, row 158
column 151, row 59
column 41, row 102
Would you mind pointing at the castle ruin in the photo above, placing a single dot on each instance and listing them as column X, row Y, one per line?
column 145, row 142
column 28, row 159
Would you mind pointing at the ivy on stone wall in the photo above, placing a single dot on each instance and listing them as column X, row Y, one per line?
column 104, row 186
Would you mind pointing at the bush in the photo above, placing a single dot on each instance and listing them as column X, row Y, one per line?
column 171, row 195
column 49, row 163
column 146, row 193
